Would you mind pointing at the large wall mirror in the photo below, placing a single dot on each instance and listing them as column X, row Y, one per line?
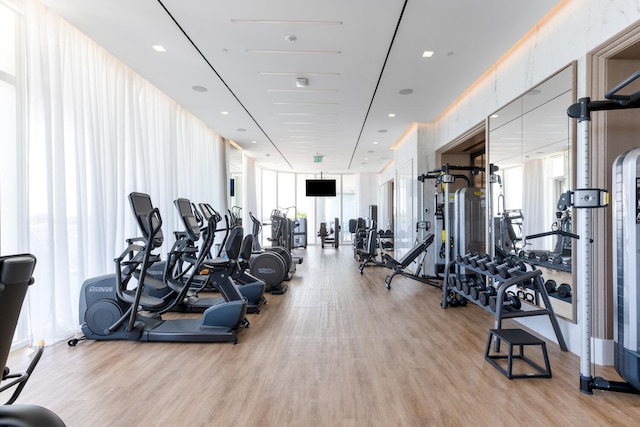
column 530, row 142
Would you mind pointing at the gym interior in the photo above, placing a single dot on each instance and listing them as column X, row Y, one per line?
column 226, row 230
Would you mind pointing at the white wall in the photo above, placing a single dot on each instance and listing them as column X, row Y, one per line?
column 576, row 28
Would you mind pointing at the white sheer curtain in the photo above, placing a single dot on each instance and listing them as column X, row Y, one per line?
column 96, row 132
column 535, row 211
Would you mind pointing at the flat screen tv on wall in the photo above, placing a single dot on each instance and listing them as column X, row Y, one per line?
column 321, row 187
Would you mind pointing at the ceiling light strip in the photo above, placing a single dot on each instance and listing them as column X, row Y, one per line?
column 303, row 90
column 297, row 73
column 307, row 114
column 306, row 52
column 223, row 82
column 404, row 6
column 283, row 21
column 305, row 103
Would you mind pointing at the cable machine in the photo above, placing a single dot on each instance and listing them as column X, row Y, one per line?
column 626, row 220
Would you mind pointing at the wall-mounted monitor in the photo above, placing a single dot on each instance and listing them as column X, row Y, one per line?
column 321, row 187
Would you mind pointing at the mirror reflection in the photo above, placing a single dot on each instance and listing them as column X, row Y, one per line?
column 529, row 143
column 235, row 185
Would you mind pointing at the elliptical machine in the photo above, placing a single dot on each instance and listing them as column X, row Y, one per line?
column 217, row 269
column 109, row 308
column 271, row 265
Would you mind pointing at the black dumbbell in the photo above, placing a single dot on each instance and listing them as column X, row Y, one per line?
column 474, row 291
column 564, row 290
column 474, row 261
column 471, row 282
column 505, row 273
column 561, row 260
column 510, row 300
column 484, row 296
column 532, row 255
column 469, row 257
column 483, row 265
column 550, row 286
column 493, row 268
column 451, row 281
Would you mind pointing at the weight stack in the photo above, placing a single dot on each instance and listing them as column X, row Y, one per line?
column 626, row 255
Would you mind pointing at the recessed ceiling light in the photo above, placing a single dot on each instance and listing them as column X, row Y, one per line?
column 375, row 142
column 254, row 142
column 241, row 130
column 427, row 54
column 392, row 114
column 199, row 88
column 159, row 48
column 406, row 91
column 382, row 131
column 224, row 113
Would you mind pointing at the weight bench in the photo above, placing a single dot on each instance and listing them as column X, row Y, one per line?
column 398, row 267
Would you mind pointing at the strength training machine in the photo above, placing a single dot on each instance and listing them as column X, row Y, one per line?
column 626, row 223
column 400, row 266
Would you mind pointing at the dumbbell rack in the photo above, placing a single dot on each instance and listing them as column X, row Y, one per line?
column 533, row 280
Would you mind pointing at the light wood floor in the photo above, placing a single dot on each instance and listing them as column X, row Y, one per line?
column 338, row 349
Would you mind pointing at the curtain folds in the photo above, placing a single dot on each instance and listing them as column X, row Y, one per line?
column 96, row 132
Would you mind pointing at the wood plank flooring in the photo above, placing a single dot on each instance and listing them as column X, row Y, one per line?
column 338, row 349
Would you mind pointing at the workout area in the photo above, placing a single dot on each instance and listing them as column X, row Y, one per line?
column 278, row 214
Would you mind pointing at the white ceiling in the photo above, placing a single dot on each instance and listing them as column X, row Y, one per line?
column 356, row 54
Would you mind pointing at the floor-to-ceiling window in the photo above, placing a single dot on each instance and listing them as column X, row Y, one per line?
column 12, row 161
column 348, row 195
column 287, row 190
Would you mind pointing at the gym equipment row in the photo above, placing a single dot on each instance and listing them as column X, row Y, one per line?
column 275, row 264
column 489, row 284
column 16, row 273
column 111, row 310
